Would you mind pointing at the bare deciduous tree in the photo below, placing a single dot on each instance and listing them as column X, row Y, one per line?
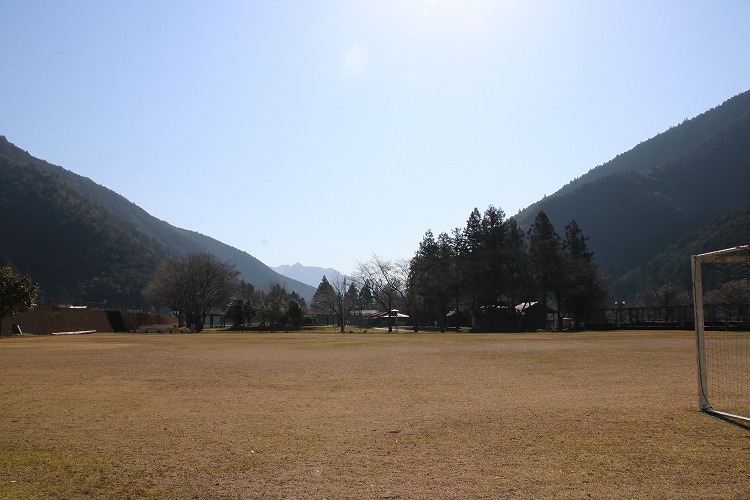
column 667, row 296
column 333, row 297
column 192, row 286
column 387, row 282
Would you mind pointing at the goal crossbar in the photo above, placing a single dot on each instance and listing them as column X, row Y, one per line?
column 719, row 256
column 722, row 255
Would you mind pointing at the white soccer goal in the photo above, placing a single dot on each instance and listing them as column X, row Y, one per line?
column 721, row 299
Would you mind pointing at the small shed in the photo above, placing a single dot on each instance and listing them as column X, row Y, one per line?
column 392, row 317
column 457, row 318
column 536, row 316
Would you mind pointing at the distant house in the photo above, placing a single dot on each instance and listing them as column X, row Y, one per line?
column 362, row 318
column 494, row 318
column 457, row 318
column 527, row 316
column 535, row 316
column 392, row 317
column 377, row 319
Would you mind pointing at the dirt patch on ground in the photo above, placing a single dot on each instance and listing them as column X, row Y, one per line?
column 362, row 416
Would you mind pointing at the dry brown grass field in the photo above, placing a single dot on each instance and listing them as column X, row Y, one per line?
column 296, row 415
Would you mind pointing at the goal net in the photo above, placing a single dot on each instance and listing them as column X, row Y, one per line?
column 721, row 295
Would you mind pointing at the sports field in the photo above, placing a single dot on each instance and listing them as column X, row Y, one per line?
column 362, row 416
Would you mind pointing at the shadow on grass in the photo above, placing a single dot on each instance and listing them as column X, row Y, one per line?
column 728, row 419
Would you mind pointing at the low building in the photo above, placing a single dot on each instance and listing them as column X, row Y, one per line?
column 536, row 316
column 392, row 317
column 377, row 319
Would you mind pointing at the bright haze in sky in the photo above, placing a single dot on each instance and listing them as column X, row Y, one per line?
column 326, row 131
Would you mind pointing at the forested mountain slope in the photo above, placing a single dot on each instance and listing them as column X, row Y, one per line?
column 76, row 237
column 632, row 217
column 673, row 265
column 68, row 244
column 663, row 148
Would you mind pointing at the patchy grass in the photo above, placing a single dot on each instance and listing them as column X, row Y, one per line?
column 311, row 414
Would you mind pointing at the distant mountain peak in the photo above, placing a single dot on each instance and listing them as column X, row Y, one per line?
column 310, row 275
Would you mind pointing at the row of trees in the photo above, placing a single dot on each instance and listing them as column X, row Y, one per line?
column 484, row 269
column 274, row 307
column 193, row 286
column 491, row 265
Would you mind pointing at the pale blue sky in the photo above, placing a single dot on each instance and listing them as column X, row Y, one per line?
column 326, row 131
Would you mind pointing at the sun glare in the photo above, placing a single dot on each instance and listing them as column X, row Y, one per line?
column 441, row 18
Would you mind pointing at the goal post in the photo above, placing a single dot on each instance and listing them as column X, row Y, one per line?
column 721, row 303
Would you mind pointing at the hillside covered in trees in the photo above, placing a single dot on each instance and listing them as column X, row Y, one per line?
column 81, row 241
column 679, row 193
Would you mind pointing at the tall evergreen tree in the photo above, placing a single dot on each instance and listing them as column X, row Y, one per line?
column 421, row 278
column 352, row 296
column 515, row 263
column 545, row 258
column 299, row 299
column 295, row 313
column 365, row 300
column 335, row 299
column 448, row 278
column 432, row 278
column 583, row 289
column 470, row 260
column 491, row 261
column 324, row 301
